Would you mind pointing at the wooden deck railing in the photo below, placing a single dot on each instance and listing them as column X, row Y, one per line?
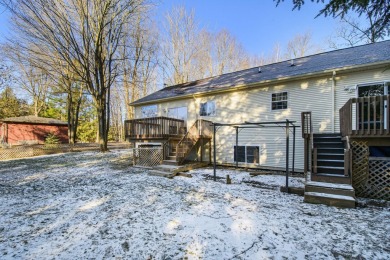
column 200, row 129
column 310, row 153
column 365, row 117
column 154, row 128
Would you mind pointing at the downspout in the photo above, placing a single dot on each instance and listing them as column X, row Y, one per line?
column 333, row 100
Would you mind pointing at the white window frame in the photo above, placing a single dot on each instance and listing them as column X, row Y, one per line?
column 214, row 112
column 147, row 111
column 272, row 102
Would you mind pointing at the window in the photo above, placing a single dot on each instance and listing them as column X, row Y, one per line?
column 279, row 101
column 149, row 111
column 178, row 112
column 248, row 154
column 240, row 154
column 207, row 109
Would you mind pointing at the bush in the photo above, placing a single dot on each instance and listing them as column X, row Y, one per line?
column 52, row 140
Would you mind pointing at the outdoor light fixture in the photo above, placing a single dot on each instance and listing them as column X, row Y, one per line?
column 350, row 89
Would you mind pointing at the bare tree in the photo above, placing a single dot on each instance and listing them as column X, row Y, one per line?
column 85, row 34
column 32, row 79
column 230, row 55
column 301, row 45
column 139, row 69
column 190, row 52
column 353, row 31
column 180, row 45
column 74, row 89
column 5, row 75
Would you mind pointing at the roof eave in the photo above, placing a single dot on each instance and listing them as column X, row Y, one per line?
column 261, row 83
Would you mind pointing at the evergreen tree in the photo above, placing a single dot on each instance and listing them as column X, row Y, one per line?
column 11, row 106
column 378, row 10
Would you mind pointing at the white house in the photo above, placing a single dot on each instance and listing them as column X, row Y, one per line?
column 354, row 80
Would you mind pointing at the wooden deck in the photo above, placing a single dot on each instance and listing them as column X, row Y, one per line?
column 366, row 117
column 154, row 128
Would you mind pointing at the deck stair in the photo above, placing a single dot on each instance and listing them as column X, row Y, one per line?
column 170, row 156
column 329, row 161
column 331, row 194
column 329, row 183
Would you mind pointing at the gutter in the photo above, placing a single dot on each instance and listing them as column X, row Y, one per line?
column 265, row 82
column 333, row 99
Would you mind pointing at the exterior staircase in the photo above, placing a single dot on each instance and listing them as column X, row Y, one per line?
column 177, row 149
column 330, row 176
column 328, row 159
column 329, row 183
column 331, row 194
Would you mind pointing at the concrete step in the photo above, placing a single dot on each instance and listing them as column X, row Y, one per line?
column 330, row 188
column 162, row 174
column 170, row 162
column 172, row 157
column 330, row 199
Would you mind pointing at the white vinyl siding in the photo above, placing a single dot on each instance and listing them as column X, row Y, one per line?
column 254, row 106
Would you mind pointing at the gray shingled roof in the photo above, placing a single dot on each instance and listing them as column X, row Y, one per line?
column 354, row 56
column 33, row 120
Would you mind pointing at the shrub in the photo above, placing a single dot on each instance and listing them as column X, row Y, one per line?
column 52, row 140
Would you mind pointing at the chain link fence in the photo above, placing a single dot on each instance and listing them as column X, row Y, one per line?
column 36, row 150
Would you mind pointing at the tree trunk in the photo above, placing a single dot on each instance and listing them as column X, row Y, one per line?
column 103, row 120
column 69, row 105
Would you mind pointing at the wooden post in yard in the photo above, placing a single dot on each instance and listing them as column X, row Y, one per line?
column 215, row 155
column 236, row 152
column 287, row 151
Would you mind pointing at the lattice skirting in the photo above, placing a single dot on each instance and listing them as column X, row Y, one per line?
column 147, row 156
column 370, row 176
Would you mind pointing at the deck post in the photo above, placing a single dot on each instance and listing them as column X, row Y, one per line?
column 214, row 153
column 293, row 158
column 287, row 151
column 201, row 149
column 236, row 152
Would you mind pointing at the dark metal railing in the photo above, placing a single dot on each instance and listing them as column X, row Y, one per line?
column 154, row 128
column 365, row 117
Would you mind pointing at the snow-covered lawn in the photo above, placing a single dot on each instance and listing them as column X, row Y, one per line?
column 92, row 205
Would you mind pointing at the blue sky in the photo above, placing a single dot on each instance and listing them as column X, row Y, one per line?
column 257, row 24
